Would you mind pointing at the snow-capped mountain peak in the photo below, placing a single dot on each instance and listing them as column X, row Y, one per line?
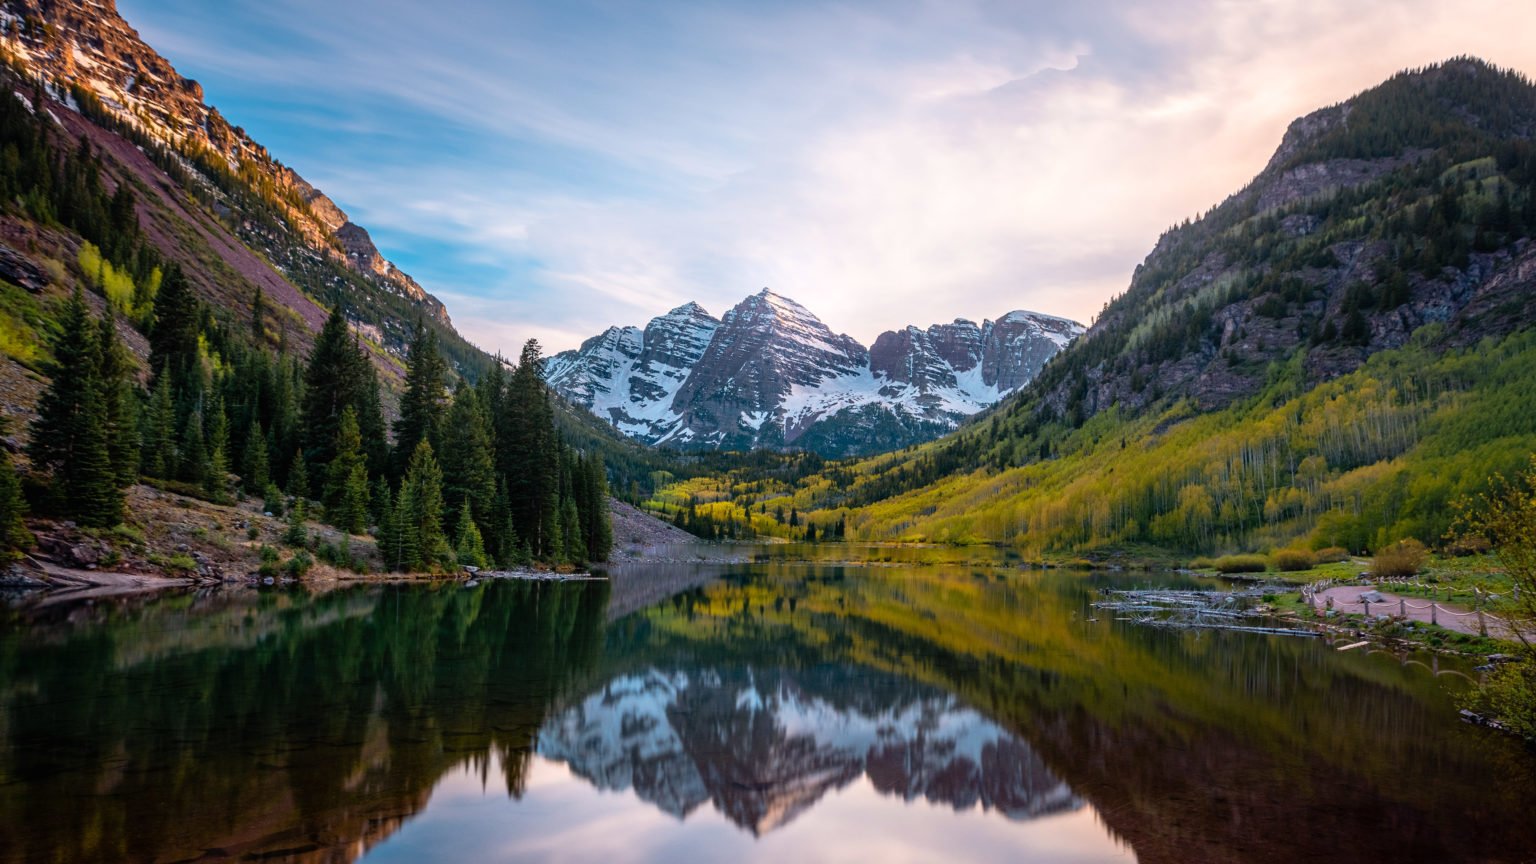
column 763, row 746
column 770, row 373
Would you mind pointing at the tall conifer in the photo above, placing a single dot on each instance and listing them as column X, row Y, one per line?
column 69, row 436
column 423, row 404
column 115, row 369
column 158, row 454
column 470, row 546
column 469, row 466
column 421, row 511
column 346, row 505
column 256, row 472
column 173, row 336
column 339, row 374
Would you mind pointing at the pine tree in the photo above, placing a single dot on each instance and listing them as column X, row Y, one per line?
column 298, row 478
column 355, row 501
column 595, row 517
column 173, row 343
column 423, row 403
column 194, row 450
column 370, row 415
column 296, row 534
column 344, row 506
column 501, row 537
column 390, row 540
column 69, row 436
column 553, row 532
column 528, row 455
column 471, row 547
column 421, row 512
column 339, row 375
column 469, row 466
column 272, row 499
column 407, row 534
column 118, row 401
column 158, row 453
column 283, row 438
column 380, row 500
column 255, row 473
column 574, row 545
column 217, row 476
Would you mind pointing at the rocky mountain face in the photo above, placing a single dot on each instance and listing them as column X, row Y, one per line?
column 771, row 374
column 1407, row 205
column 764, row 746
column 88, row 51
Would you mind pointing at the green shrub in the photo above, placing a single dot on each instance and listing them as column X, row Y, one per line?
column 1241, row 564
column 124, row 531
column 1292, row 560
column 295, row 534
column 1400, row 560
column 273, row 500
column 180, row 562
column 269, row 561
column 299, row 564
column 1332, row 555
column 1202, row 563
column 339, row 554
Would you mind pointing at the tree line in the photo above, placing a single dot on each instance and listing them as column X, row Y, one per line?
column 476, row 475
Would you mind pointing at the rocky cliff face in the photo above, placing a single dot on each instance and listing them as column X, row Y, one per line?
column 1435, row 228
column 765, row 746
column 86, row 44
column 629, row 377
column 771, row 374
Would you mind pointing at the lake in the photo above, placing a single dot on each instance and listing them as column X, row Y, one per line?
column 890, row 704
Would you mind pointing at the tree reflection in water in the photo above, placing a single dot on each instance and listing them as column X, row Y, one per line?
column 310, row 727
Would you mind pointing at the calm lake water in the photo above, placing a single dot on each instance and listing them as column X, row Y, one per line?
column 919, row 705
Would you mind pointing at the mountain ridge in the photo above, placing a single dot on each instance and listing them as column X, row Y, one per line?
column 769, row 373
column 1331, row 356
column 267, row 254
column 103, row 68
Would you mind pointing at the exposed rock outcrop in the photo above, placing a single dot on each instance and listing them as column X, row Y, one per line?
column 771, row 374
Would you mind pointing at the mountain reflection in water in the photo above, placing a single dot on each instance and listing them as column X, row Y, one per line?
column 764, row 711
column 766, row 745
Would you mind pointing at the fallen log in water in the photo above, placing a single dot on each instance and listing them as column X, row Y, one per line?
column 1217, row 625
column 1198, row 609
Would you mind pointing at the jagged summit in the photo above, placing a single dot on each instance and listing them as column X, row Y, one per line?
column 769, row 373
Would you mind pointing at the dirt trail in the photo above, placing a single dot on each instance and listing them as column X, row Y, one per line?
column 1451, row 616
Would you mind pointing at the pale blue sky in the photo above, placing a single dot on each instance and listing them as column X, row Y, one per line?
column 552, row 168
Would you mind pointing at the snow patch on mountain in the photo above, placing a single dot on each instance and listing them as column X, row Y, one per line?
column 764, row 747
column 770, row 372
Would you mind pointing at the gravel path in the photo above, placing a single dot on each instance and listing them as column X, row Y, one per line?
column 1451, row 616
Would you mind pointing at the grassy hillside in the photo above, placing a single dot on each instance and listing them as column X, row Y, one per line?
column 1332, row 356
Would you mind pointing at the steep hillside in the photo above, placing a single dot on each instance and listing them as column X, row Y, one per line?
column 101, row 68
column 770, row 374
column 1332, row 354
column 116, row 173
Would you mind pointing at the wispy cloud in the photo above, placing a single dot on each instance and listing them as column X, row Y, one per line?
column 553, row 168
